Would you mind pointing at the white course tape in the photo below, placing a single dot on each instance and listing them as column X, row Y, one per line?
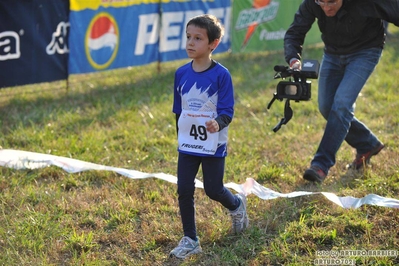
column 30, row 160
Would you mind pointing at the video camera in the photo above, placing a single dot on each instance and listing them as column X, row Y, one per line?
column 297, row 88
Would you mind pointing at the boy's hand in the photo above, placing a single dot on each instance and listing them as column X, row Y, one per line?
column 212, row 126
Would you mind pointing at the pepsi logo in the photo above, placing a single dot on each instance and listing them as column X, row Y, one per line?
column 102, row 40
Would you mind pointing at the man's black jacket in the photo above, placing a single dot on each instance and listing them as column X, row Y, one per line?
column 356, row 26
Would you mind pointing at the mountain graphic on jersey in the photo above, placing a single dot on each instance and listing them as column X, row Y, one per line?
column 197, row 99
column 102, row 40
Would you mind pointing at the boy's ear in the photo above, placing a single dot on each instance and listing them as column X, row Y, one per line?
column 215, row 44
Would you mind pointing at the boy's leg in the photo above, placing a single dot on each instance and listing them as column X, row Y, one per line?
column 213, row 170
column 187, row 169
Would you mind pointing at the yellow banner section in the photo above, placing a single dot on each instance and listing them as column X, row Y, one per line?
column 77, row 5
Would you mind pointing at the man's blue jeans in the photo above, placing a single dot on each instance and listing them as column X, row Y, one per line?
column 341, row 79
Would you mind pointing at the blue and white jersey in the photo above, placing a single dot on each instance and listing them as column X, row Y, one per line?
column 199, row 97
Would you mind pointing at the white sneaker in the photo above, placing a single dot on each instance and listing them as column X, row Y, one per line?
column 186, row 247
column 239, row 217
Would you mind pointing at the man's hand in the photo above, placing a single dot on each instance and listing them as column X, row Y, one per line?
column 295, row 64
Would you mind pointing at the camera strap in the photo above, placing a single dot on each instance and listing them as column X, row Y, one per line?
column 287, row 116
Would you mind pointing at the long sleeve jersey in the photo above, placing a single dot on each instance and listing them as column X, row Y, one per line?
column 208, row 91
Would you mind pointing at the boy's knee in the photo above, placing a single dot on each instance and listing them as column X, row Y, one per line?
column 212, row 194
column 185, row 191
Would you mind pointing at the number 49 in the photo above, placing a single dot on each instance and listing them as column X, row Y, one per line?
column 198, row 132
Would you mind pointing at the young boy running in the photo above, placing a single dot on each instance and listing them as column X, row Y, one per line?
column 204, row 108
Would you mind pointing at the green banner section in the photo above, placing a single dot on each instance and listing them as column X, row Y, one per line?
column 260, row 25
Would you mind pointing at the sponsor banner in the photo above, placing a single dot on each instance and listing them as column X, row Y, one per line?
column 17, row 159
column 114, row 34
column 174, row 20
column 78, row 5
column 112, row 37
column 33, row 41
column 260, row 25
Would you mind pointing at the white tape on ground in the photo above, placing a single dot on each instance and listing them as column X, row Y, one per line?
column 30, row 160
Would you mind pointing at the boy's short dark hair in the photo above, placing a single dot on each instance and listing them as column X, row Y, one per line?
column 212, row 25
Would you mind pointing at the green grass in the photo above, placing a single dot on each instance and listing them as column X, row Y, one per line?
column 123, row 118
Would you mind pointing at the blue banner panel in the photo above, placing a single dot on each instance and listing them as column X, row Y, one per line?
column 175, row 16
column 114, row 34
column 113, row 37
column 33, row 41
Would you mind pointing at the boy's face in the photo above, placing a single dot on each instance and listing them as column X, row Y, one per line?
column 197, row 45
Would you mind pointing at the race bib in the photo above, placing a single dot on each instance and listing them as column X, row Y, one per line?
column 193, row 136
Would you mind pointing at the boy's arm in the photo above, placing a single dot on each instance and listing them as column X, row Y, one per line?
column 223, row 121
column 177, row 121
column 225, row 106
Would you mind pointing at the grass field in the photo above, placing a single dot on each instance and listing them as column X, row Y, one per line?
column 123, row 118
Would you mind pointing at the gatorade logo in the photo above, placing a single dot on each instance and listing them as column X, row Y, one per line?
column 102, row 41
column 262, row 11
